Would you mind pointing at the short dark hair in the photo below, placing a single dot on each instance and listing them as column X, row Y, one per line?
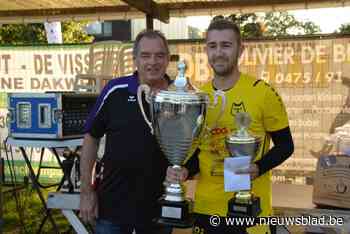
column 149, row 34
column 221, row 23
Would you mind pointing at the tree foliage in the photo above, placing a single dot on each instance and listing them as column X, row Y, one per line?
column 73, row 32
column 310, row 27
column 344, row 28
column 22, row 34
column 283, row 23
column 19, row 34
column 271, row 24
column 249, row 25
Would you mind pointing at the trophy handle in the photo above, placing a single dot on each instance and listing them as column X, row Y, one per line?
column 147, row 90
column 218, row 93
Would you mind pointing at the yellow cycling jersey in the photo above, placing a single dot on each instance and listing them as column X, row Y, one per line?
column 268, row 114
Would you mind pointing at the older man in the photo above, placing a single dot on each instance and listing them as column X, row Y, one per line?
column 133, row 165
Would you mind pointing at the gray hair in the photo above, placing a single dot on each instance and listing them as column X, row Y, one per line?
column 149, row 34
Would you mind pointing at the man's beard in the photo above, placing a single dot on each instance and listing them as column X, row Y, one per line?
column 223, row 72
column 226, row 69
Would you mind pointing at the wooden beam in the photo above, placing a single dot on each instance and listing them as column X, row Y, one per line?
column 194, row 5
column 66, row 11
column 150, row 7
column 149, row 21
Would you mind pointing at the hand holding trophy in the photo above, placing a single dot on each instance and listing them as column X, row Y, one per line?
column 242, row 144
column 177, row 121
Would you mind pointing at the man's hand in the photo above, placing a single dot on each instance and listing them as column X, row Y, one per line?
column 174, row 175
column 253, row 170
column 88, row 206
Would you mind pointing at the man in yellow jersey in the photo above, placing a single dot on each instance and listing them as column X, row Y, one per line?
column 268, row 120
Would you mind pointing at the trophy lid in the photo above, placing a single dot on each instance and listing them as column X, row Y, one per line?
column 242, row 136
column 181, row 94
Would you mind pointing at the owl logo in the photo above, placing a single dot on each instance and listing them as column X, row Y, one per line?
column 237, row 108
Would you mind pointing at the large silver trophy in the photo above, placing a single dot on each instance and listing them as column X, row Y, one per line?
column 177, row 121
column 243, row 144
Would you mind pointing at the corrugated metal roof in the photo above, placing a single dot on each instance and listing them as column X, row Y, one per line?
column 17, row 11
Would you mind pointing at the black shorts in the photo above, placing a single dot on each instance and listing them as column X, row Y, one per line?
column 206, row 224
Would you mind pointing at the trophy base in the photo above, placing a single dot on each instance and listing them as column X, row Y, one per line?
column 188, row 223
column 238, row 209
column 175, row 214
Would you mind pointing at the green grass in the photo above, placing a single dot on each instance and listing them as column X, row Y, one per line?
column 26, row 215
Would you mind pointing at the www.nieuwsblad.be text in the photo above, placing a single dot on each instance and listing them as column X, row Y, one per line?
column 216, row 221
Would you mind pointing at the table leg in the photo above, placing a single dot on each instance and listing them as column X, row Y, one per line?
column 37, row 188
column 47, row 167
column 75, row 221
column 60, row 164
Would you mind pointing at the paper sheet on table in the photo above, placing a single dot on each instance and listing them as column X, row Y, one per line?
column 236, row 182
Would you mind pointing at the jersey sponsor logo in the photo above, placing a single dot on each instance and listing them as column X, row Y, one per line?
column 219, row 131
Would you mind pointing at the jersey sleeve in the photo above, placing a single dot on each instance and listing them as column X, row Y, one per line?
column 97, row 126
column 96, row 121
column 275, row 115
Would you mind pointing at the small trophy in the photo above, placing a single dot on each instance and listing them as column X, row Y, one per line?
column 242, row 144
column 178, row 118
